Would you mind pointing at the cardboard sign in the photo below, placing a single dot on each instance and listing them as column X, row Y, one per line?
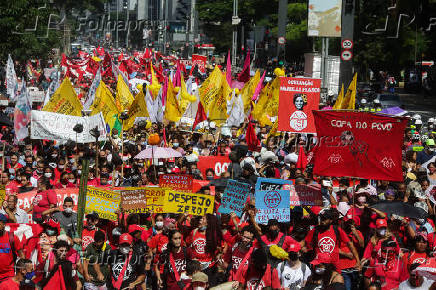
column 185, row 202
column 305, row 195
column 272, row 204
column 273, row 184
column 298, row 97
column 234, row 197
column 176, row 182
column 102, row 201
column 219, row 164
column 142, row 199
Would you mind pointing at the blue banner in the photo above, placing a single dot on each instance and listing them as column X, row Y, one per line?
column 234, row 197
column 272, row 204
column 273, row 184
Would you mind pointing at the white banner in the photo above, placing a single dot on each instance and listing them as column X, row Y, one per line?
column 53, row 126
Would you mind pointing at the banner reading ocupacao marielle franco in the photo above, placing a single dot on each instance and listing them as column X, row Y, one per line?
column 298, row 97
column 359, row 144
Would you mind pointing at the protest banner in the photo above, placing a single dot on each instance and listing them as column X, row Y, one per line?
column 53, row 126
column 273, row 184
column 186, row 202
column 142, row 199
column 359, row 144
column 178, row 182
column 298, row 97
column 36, row 96
column 303, row 194
column 234, row 197
column 219, row 164
column 102, row 201
column 200, row 61
column 2, row 192
column 272, row 204
column 25, row 200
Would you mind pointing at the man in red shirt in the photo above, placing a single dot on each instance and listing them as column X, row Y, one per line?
column 90, row 229
column 275, row 237
column 325, row 239
column 24, row 266
column 10, row 247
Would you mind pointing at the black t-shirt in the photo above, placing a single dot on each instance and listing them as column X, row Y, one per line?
column 135, row 268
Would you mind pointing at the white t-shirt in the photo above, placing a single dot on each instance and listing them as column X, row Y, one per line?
column 425, row 285
column 292, row 278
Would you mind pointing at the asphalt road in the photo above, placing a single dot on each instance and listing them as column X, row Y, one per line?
column 419, row 104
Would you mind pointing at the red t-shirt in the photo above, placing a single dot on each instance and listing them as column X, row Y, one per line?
column 249, row 276
column 197, row 242
column 286, row 243
column 6, row 256
column 158, row 242
column 180, row 263
column 42, row 202
column 88, row 237
column 235, row 256
column 414, row 257
column 327, row 243
column 389, row 278
column 9, row 284
column 344, row 262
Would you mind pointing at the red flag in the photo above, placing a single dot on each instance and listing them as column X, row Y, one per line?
column 244, row 76
column 57, row 281
column 359, row 144
column 229, row 70
column 200, row 116
column 302, row 159
column 252, row 142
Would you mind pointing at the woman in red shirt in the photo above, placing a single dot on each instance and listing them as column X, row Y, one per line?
column 419, row 254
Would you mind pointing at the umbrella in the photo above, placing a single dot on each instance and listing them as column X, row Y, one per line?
column 158, row 152
column 400, row 208
column 428, row 269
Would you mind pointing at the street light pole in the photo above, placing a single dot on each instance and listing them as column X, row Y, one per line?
column 116, row 24
column 235, row 31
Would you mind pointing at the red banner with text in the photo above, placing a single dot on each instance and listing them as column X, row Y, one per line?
column 359, row 144
column 219, row 164
column 200, row 61
column 298, row 97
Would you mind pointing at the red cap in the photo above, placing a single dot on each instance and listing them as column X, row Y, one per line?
column 134, row 228
column 294, row 247
column 316, row 209
column 126, row 239
column 381, row 223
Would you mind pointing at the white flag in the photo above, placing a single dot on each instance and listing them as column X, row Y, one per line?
column 11, row 79
column 91, row 92
column 22, row 111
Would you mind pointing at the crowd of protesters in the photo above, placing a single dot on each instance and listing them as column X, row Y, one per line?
column 344, row 244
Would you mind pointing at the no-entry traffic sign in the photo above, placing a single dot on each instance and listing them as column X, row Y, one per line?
column 346, row 55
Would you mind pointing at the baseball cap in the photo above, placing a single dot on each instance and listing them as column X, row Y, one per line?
column 126, row 239
column 381, row 223
column 200, row 277
column 294, row 247
column 134, row 228
column 92, row 215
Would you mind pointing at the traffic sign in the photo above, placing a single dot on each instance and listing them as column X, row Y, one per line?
column 346, row 55
column 347, row 44
column 281, row 40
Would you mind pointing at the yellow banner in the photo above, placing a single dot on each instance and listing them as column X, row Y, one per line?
column 186, row 202
column 152, row 196
column 124, row 97
column 137, row 109
column 64, row 100
column 173, row 112
column 104, row 103
column 210, row 89
column 102, row 201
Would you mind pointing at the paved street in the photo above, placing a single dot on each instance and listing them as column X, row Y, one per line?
column 418, row 103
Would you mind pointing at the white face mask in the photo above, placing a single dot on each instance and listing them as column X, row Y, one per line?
column 199, row 288
column 47, row 174
column 159, row 225
column 72, row 180
column 68, row 210
column 361, row 199
column 124, row 250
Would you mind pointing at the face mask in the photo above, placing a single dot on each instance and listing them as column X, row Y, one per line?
column 209, row 178
column 38, row 171
column 61, row 166
column 203, row 228
column 274, row 233
column 54, row 155
column 68, row 210
column 47, row 174
column 293, row 256
column 72, row 161
column 124, row 250
column 320, row 271
column 199, row 288
column 381, row 232
column 176, row 145
column 72, row 180
column 159, row 225
column 115, row 136
column 79, row 172
column 50, row 232
column 11, row 177
column 421, row 221
column 361, row 199
column 29, row 276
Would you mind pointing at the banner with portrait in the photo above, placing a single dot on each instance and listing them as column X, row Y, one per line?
column 298, row 97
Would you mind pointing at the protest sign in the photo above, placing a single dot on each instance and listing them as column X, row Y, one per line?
column 298, row 97
column 200, row 61
column 303, row 194
column 37, row 96
column 142, row 199
column 25, row 200
column 102, row 201
column 355, row 144
column 219, row 164
column 53, row 126
column 273, row 184
column 272, row 204
column 176, row 182
column 186, row 202
column 234, row 197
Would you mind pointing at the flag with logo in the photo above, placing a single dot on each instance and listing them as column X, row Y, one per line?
column 11, row 79
column 23, row 108
column 124, row 97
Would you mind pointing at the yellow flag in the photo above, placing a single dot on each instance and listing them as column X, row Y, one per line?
column 218, row 108
column 64, row 100
column 349, row 102
column 137, row 109
column 104, row 103
column 259, row 107
column 248, row 91
column 272, row 106
column 124, row 97
column 210, row 89
column 184, row 97
column 339, row 99
column 172, row 109
column 154, row 87
column 273, row 131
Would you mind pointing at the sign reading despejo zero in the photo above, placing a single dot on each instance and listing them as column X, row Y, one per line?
column 185, row 202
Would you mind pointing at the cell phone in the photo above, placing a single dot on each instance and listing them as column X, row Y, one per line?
column 327, row 183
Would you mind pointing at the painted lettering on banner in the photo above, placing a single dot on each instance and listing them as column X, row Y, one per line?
column 102, row 201
column 178, row 182
column 142, row 199
column 185, row 202
column 305, row 195
column 273, row 184
column 234, row 197
column 272, row 204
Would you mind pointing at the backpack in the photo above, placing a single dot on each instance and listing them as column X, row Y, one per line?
column 273, row 261
column 303, row 268
column 316, row 232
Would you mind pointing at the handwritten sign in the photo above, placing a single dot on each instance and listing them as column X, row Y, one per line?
column 186, row 202
column 273, row 184
column 234, row 197
column 272, row 204
column 176, row 182
column 104, row 202
column 142, row 199
column 305, row 195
